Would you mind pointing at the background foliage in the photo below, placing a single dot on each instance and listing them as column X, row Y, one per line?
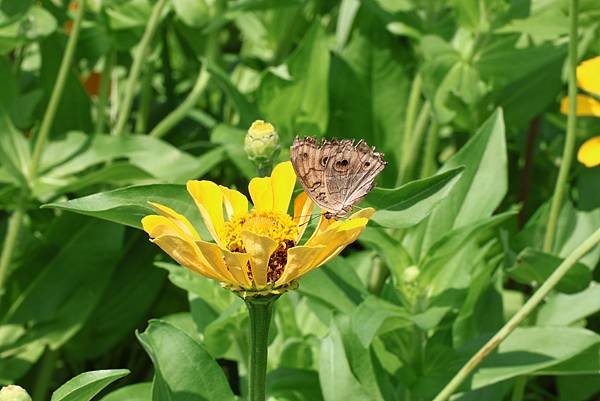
column 468, row 89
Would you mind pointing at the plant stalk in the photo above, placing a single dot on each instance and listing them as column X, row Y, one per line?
column 410, row 154
column 409, row 122
column 141, row 118
column 565, row 166
column 57, row 91
column 184, row 108
column 138, row 60
column 429, row 165
column 103, row 96
column 10, row 242
column 259, row 311
column 521, row 314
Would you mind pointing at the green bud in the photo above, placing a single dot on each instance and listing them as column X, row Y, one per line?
column 410, row 274
column 261, row 143
column 14, row 393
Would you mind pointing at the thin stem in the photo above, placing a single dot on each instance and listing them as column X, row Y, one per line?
column 10, row 242
column 519, row 388
column 521, row 314
column 430, row 165
column 184, row 108
column 103, row 96
column 409, row 122
column 410, row 155
column 57, row 91
column 567, row 157
column 379, row 273
column 138, row 60
column 259, row 310
column 45, row 373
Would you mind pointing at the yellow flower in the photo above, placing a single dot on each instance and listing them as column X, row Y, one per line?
column 256, row 251
column 589, row 152
column 588, row 79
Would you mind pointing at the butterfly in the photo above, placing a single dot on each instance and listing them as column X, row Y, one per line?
column 335, row 174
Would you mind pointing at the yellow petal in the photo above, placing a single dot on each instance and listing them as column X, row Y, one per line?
column 588, row 75
column 236, row 202
column 261, row 192
column 186, row 254
column 237, row 263
column 303, row 207
column 156, row 226
column 209, row 199
column 325, row 237
column 283, row 180
column 299, row 259
column 214, row 258
column 260, row 249
column 180, row 220
column 589, row 152
column 587, row 106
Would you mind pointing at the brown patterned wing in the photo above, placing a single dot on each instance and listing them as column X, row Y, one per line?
column 310, row 161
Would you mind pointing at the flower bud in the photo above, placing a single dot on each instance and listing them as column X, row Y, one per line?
column 14, row 393
column 410, row 274
column 261, row 143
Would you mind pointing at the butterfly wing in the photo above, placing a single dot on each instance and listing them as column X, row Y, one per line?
column 310, row 161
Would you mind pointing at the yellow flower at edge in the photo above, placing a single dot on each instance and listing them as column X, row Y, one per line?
column 256, row 250
column 588, row 79
column 589, row 152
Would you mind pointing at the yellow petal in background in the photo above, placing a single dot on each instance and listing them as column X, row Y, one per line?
column 588, row 75
column 180, row 220
column 261, row 192
column 283, row 180
column 587, row 106
column 260, row 249
column 236, row 202
column 589, row 152
column 209, row 199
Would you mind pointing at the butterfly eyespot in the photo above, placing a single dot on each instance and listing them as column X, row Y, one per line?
column 341, row 164
column 305, row 155
column 324, row 161
column 367, row 164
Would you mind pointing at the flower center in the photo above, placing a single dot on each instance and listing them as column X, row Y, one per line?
column 277, row 226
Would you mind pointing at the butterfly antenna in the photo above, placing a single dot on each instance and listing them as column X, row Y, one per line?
column 312, row 217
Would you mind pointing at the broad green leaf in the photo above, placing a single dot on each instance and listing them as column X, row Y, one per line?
column 192, row 12
column 530, row 349
column 391, row 251
column 184, row 370
column 297, row 384
column 53, row 308
column 481, row 187
column 232, row 140
column 338, row 382
column 86, row 385
column 374, row 316
column 407, row 205
column 564, row 310
column 578, row 387
column 133, row 392
column 299, row 103
column 129, row 205
column 534, row 267
column 34, row 24
column 587, row 362
column 14, row 149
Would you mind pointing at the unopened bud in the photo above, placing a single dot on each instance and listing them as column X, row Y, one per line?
column 410, row 274
column 261, row 143
column 14, row 393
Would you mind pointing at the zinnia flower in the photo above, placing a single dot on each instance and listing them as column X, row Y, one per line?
column 256, row 250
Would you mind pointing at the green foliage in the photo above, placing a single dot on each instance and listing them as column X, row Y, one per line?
column 452, row 252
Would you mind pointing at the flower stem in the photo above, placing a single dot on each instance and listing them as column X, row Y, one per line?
column 567, row 157
column 409, row 122
column 259, row 311
column 429, row 165
column 184, row 108
column 138, row 60
column 521, row 314
column 409, row 157
column 103, row 96
column 10, row 242
column 57, row 91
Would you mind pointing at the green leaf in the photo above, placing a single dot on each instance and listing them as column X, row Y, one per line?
column 534, row 267
column 192, row 12
column 530, row 349
column 184, row 370
column 375, row 316
column 14, row 149
column 85, row 386
column 246, row 109
column 407, row 205
column 338, row 382
column 481, row 187
column 129, row 205
column 133, row 392
column 298, row 384
column 297, row 99
column 564, row 310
